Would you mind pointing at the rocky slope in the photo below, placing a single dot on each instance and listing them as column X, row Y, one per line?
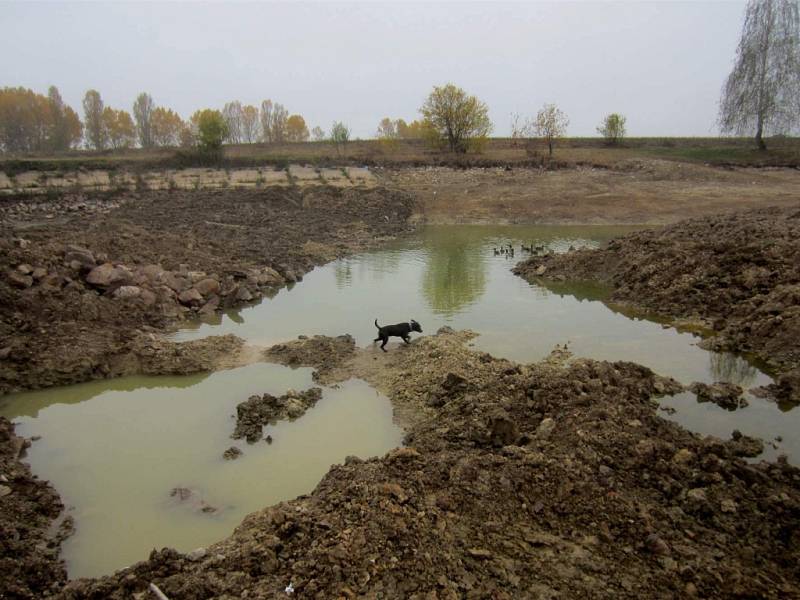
column 737, row 274
column 81, row 277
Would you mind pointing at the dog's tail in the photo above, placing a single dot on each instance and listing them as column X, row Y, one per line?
column 376, row 324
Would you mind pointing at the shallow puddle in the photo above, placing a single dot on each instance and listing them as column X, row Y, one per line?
column 116, row 449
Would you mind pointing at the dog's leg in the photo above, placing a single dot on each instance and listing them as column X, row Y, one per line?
column 383, row 345
column 377, row 339
column 406, row 340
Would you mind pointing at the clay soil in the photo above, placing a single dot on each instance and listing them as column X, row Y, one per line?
column 633, row 191
column 549, row 480
column 738, row 275
column 86, row 283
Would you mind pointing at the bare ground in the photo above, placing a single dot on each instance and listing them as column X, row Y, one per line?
column 636, row 191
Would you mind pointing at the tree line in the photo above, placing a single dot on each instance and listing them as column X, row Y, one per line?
column 761, row 94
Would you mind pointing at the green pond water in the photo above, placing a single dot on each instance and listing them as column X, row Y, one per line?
column 116, row 449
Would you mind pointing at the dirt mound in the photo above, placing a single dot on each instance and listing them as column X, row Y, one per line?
column 76, row 286
column 322, row 352
column 555, row 479
column 257, row 411
column 738, row 274
column 29, row 562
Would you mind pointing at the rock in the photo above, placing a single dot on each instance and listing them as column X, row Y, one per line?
column 197, row 554
column 210, row 307
column 480, row 553
column 655, row 545
column 728, row 506
column 502, row 431
column 696, row 494
column 107, row 275
column 127, row 291
column 147, row 297
column 725, row 395
column 4, row 490
column 19, row 280
column 540, row 270
column 743, row 445
column 207, row 286
column 39, row 273
column 683, row 456
column 232, row 453
column 5, row 352
column 82, row 256
column 243, row 294
column 196, row 276
column 25, row 269
column 270, row 276
column 545, row 429
column 445, row 330
column 258, row 411
column 175, row 282
column 190, row 297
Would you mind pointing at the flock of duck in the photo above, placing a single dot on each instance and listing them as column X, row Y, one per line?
column 508, row 250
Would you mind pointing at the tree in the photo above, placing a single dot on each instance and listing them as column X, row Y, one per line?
column 142, row 113
column 74, row 127
column 296, row 130
column 274, row 118
column 612, row 128
column 119, row 128
column 59, row 127
column 410, row 131
column 340, row 135
column 551, row 124
column 457, row 119
column 93, row 120
column 521, row 127
column 232, row 113
column 250, row 124
column 212, row 130
column 387, row 129
column 763, row 90
column 318, row 134
column 165, row 127
column 27, row 121
column 266, row 120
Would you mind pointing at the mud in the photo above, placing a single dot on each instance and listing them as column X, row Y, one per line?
column 737, row 276
column 554, row 479
column 30, row 566
column 325, row 354
column 79, row 287
column 257, row 411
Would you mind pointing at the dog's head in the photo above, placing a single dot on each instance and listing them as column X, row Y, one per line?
column 415, row 326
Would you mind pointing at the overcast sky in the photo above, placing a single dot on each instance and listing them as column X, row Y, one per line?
column 661, row 64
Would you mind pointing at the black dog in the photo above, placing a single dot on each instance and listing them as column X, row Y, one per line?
column 400, row 330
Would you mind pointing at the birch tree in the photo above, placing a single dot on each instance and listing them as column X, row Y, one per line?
column 93, row 120
column 762, row 92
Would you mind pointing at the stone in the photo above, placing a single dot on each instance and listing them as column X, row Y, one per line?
column 197, row 554
column 724, row 395
column 80, row 255
column 243, row 294
column 175, row 282
column 207, row 286
column 683, row 456
column 655, row 545
column 545, row 429
column 39, row 273
column 696, row 494
column 210, row 307
column 728, row 506
column 4, row 490
column 25, row 269
column 127, row 291
column 107, row 275
column 232, row 453
column 540, row 270
column 190, row 297
column 19, row 280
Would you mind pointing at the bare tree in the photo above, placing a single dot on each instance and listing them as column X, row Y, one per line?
column 250, row 125
column 318, row 134
column 266, row 120
column 763, row 90
column 521, row 127
column 142, row 114
column 232, row 113
column 280, row 118
column 551, row 124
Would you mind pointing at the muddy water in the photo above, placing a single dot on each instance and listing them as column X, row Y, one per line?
column 115, row 450
column 449, row 275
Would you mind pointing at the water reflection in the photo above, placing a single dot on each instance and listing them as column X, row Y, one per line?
column 455, row 273
column 725, row 366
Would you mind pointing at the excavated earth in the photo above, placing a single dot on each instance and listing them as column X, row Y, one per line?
column 550, row 480
column 85, row 280
column 737, row 275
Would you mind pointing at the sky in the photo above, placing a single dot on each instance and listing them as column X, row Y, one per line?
column 661, row 64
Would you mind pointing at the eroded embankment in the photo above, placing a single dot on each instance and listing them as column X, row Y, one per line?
column 738, row 274
column 554, row 479
column 83, row 281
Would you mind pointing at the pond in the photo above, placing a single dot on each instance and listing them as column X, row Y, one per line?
column 116, row 450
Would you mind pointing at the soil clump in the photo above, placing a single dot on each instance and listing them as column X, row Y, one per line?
column 737, row 276
column 553, row 479
column 257, row 411
column 78, row 287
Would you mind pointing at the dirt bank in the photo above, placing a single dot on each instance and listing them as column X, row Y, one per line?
column 29, row 542
column 555, row 479
column 81, row 278
column 737, row 274
column 634, row 191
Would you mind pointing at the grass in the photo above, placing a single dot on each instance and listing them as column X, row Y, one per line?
column 497, row 152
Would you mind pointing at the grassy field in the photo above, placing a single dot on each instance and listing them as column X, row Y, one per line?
column 497, row 152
